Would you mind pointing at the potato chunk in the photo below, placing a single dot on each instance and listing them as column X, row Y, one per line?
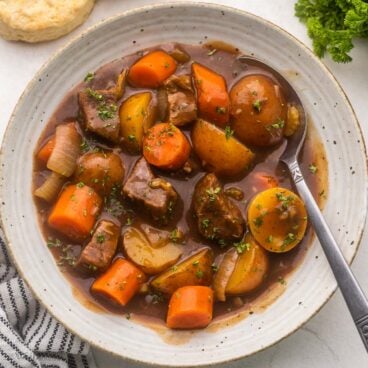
column 137, row 114
column 259, row 111
column 100, row 171
column 250, row 269
column 277, row 219
column 151, row 260
column 195, row 270
column 220, row 152
column 292, row 121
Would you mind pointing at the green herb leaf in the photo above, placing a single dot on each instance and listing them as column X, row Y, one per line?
column 241, row 247
column 89, row 77
column 257, row 105
column 228, row 132
column 313, row 168
column 221, row 110
column 212, row 193
column 100, row 238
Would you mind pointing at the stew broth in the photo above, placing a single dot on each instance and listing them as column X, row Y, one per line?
column 266, row 161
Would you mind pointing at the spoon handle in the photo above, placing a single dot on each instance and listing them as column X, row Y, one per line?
column 353, row 294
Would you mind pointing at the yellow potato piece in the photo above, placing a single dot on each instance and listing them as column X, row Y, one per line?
column 292, row 121
column 151, row 260
column 277, row 219
column 195, row 270
column 250, row 269
column 137, row 115
column 220, row 152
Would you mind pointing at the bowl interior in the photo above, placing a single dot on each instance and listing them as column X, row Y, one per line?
column 308, row 288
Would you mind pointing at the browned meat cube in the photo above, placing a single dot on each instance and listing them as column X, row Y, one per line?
column 100, row 113
column 217, row 216
column 182, row 107
column 156, row 195
column 98, row 253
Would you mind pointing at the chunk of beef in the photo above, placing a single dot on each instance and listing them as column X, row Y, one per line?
column 100, row 113
column 217, row 216
column 182, row 107
column 98, row 253
column 156, row 195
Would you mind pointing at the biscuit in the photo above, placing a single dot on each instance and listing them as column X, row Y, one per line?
column 41, row 20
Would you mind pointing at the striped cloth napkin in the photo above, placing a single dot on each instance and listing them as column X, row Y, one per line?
column 29, row 336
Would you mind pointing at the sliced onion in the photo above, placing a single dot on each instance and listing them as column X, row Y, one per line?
column 120, row 84
column 223, row 274
column 63, row 159
column 50, row 189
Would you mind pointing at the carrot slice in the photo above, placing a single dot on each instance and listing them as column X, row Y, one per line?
column 44, row 153
column 151, row 70
column 74, row 214
column 213, row 99
column 166, row 147
column 120, row 282
column 190, row 307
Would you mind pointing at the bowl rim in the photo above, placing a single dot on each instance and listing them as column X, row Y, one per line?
column 163, row 5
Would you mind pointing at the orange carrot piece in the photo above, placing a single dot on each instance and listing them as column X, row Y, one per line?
column 75, row 212
column 190, row 307
column 120, row 282
column 44, row 153
column 213, row 99
column 151, row 70
column 166, row 147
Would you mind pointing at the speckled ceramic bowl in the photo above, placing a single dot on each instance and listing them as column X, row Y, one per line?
column 308, row 288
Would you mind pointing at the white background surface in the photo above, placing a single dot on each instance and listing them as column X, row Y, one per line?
column 330, row 338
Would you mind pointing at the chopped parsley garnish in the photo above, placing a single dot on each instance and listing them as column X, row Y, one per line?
column 100, row 238
column 54, row 243
column 269, row 239
column 94, row 94
column 228, row 132
column 313, row 168
column 212, row 193
column 214, row 267
column 258, row 221
column 175, row 235
column 257, row 105
column 167, row 65
column 278, row 124
column 221, row 110
column 199, row 274
column 205, row 223
column 89, row 77
column 281, row 280
column 106, row 112
column 132, row 137
column 285, row 201
column 241, row 247
column 80, row 184
column 195, row 263
column 84, row 146
column 290, row 238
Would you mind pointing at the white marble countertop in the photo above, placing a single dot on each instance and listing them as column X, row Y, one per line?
column 327, row 340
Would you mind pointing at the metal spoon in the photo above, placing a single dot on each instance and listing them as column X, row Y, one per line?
column 353, row 294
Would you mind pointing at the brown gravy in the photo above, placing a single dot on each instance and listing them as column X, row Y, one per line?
column 267, row 161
